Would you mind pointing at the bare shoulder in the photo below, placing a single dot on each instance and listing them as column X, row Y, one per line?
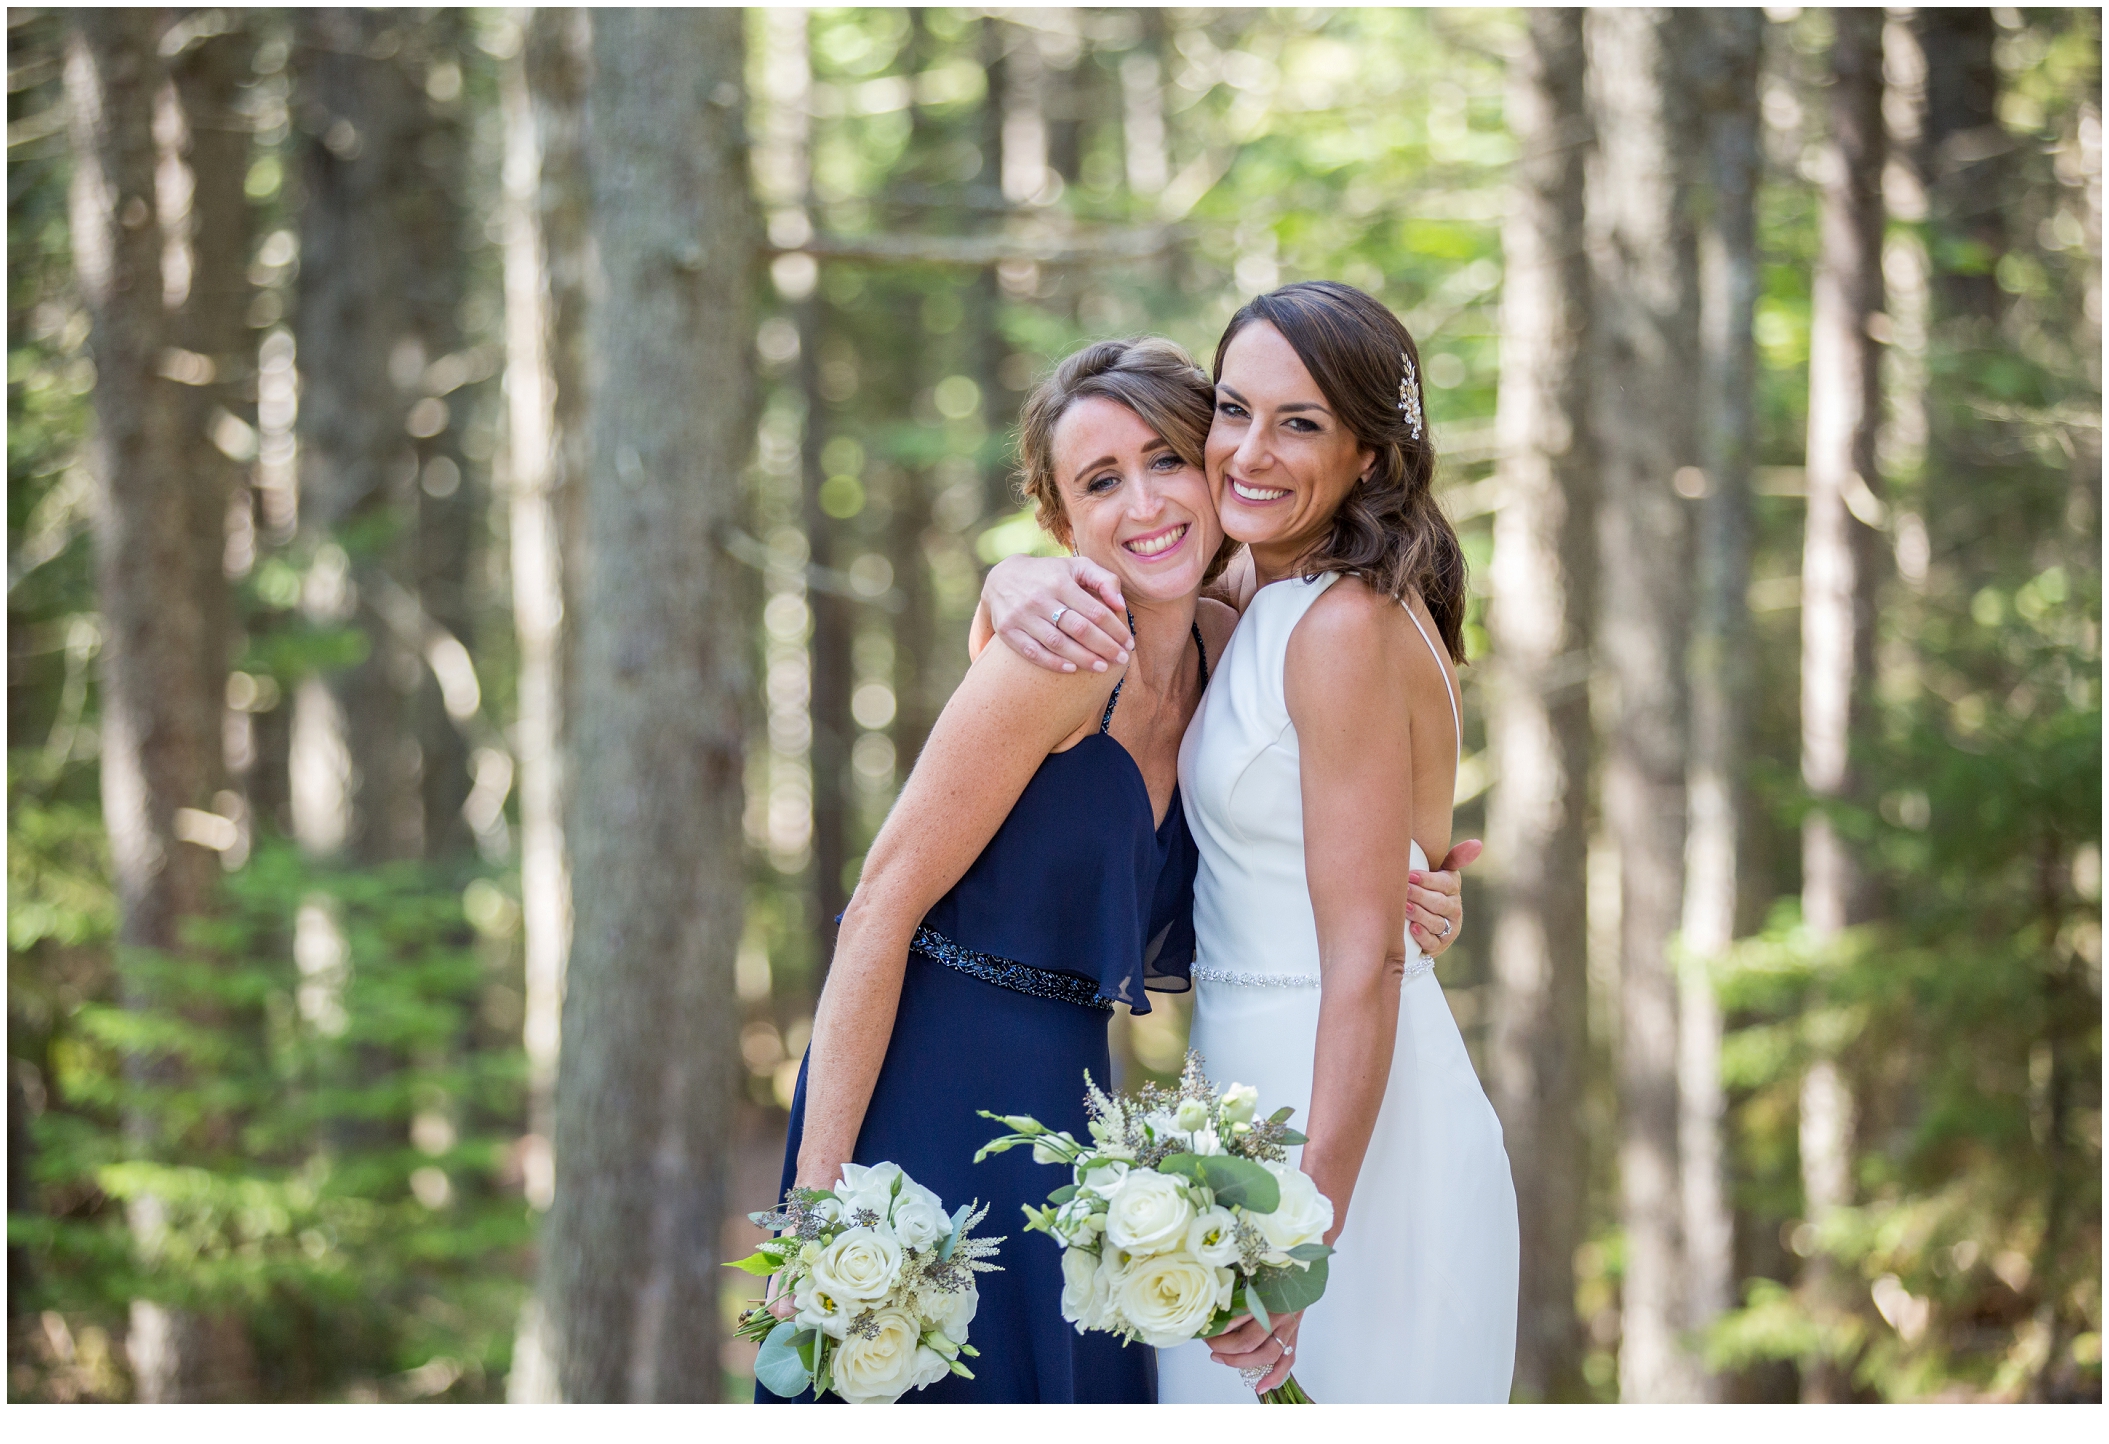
column 1217, row 621
column 1352, row 623
column 1031, row 700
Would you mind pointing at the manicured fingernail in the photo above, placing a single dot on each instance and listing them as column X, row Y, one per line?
column 1069, row 666
column 1124, row 656
column 1101, row 666
column 1413, row 877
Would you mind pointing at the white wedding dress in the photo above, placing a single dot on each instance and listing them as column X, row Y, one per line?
column 1421, row 1303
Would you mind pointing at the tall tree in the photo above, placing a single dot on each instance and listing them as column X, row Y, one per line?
column 1543, row 577
column 380, row 231
column 1725, row 77
column 1642, row 248
column 1839, row 553
column 643, row 1095
column 1961, row 147
column 543, row 97
column 160, row 734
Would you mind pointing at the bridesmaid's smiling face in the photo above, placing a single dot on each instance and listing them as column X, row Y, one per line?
column 1131, row 504
column 1279, row 457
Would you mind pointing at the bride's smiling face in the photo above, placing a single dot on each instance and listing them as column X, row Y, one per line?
column 1281, row 459
column 1130, row 502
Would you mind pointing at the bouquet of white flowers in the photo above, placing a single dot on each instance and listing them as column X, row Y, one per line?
column 1181, row 1214
column 874, row 1288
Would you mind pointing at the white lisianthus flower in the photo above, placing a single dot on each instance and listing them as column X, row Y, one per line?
column 1075, row 1223
column 1205, row 1142
column 1043, row 1154
column 867, row 1189
column 950, row 1311
column 1170, row 1298
column 930, row 1366
column 919, row 1218
column 819, row 1308
column 878, row 1366
column 861, row 1264
column 1240, row 1102
column 1150, row 1213
column 1084, row 1288
column 1302, row 1217
column 1105, row 1178
column 1213, row 1237
column 1192, row 1114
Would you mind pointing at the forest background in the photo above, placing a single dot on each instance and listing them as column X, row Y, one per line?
column 494, row 503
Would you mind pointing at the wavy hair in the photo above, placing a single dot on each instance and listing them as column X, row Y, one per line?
column 1154, row 378
column 1389, row 530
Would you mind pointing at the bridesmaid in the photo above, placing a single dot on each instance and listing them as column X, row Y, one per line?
column 1035, row 870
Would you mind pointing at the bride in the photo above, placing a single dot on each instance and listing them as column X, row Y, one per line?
column 1317, row 778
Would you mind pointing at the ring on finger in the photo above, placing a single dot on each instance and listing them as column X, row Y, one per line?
column 1056, row 619
column 1446, row 928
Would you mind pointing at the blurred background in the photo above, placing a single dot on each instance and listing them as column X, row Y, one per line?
column 495, row 500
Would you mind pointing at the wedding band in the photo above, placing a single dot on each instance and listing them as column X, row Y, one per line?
column 1446, row 927
column 1059, row 613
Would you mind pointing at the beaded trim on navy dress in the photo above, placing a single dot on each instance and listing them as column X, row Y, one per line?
column 1018, row 977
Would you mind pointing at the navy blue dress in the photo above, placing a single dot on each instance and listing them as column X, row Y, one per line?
column 1079, row 900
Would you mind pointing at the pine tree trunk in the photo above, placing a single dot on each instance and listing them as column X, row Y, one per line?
column 1726, row 62
column 543, row 97
column 1543, row 578
column 832, row 669
column 1643, row 251
column 1838, row 558
column 160, row 734
column 644, row 1098
column 1963, row 152
column 379, row 232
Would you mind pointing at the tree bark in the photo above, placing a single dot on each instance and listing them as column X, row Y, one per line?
column 379, row 235
column 1643, row 252
column 1961, row 156
column 543, row 97
column 1543, row 579
column 160, row 703
column 1726, row 84
column 831, row 667
column 1838, row 556
column 644, row 1097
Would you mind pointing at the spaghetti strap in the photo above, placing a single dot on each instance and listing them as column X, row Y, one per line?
column 1456, row 717
column 1105, row 723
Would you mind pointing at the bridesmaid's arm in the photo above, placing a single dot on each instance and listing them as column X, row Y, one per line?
column 992, row 736
column 1349, row 679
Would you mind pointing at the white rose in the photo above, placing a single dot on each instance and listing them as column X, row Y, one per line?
column 1302, row 1216
column 861, row 1264
column 867, row 1189
column 1192, row 1114
column 1213, row 1237
column 879, row 1367
column 1240, row 1101
column 1105, row 1179
column 1206, row 1144
column 1170, row 1298
column 1149, row 1214
column 919, row 1217
column 1083, row 1290
column 820, row 1308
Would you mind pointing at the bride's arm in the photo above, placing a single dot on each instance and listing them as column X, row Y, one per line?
column 1349, row 680
column 994, row 733
column 1020, row 597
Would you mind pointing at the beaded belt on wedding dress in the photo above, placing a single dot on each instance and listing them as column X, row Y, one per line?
column 1203, row 974
column 1006, row 973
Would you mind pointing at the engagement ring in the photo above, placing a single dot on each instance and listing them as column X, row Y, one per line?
column 1059, row 613
column 1446, row 927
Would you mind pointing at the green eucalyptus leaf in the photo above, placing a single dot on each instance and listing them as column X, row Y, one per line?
column 1287, row 1290
column 1240, row 1183
column 1311, row 1252
column 779, row 1368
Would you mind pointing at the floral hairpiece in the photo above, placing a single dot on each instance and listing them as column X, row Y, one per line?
column 1410, row 396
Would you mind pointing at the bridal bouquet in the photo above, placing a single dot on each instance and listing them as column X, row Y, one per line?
column 1181, row 1213
column 874, row 1288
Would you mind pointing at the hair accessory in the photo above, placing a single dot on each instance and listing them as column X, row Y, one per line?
column 1410, row 396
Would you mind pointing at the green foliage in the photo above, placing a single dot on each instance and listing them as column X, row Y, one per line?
column 307, row 1100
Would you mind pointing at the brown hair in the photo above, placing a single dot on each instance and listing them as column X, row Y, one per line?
column 1389, row 530
column 1154, row 378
